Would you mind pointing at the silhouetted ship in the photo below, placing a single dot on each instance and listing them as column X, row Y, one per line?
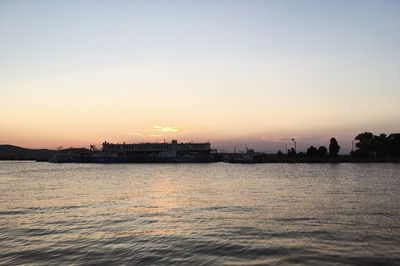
column 173, row 152
column 162, row 152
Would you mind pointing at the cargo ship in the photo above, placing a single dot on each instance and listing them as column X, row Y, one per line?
column 173, row 152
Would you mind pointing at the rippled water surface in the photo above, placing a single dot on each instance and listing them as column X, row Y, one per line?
column 192, row 214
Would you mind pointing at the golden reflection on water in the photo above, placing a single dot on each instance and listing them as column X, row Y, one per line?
column 97, row 235
column 307, row 207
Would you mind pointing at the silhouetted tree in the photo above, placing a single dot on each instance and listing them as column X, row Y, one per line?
column 382, row 138
column 312, row 152
column 292, row 152
column 394, row 145
column 365, row 141
column 370, row 145
column 322, row 151
column 364, row 145
column 280, row 154
column 381, row 145
column 301, row 154
column 333, row 147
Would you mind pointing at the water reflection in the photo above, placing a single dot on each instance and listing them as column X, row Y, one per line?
column 212, row 214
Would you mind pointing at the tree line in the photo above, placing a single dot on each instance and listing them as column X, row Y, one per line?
column 367, row 145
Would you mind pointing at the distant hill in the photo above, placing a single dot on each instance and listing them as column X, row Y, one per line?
column 11, row 152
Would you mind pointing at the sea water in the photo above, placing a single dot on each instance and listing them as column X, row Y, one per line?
column 199, row 214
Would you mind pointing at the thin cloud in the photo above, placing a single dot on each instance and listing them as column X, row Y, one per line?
column 159, row 131
column 134, row 134
column 167, row 129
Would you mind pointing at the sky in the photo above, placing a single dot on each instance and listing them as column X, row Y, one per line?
column 235, row 73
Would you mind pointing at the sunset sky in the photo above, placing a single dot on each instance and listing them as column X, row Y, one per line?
column 256, row 73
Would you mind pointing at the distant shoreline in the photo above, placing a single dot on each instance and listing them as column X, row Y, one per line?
column 271, row 161
column 15, row 153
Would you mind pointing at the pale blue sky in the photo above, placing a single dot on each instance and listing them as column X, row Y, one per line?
column 245, row 71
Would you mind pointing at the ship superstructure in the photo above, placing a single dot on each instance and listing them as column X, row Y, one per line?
column 162, row 152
